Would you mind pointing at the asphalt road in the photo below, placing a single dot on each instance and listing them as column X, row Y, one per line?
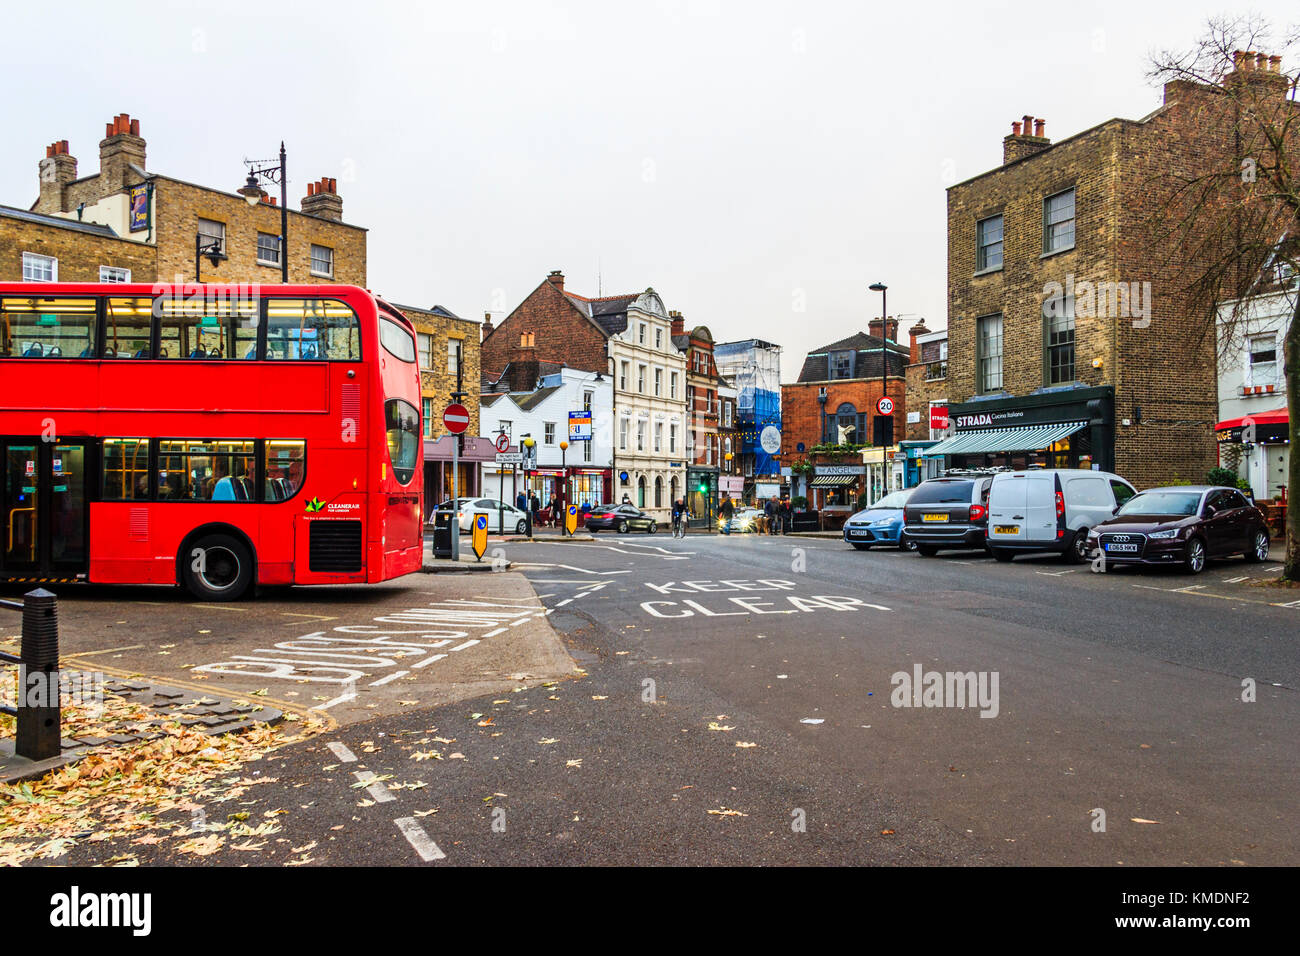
column 736, row 704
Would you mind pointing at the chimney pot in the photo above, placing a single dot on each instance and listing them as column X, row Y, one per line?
column 1029, row 123
column 1275, row 64
column 108, row 130
column 1039, row 126
column 135, row 127
column 1015, row 128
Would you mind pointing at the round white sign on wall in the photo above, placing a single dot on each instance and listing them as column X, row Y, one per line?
column 770, row 439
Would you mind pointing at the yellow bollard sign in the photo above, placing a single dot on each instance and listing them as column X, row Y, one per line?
column 478, row 540
column 571, row 519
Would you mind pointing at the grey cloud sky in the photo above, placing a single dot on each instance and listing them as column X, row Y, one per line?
column 742, row 158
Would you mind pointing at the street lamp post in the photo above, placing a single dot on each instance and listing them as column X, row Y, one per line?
column 562, row 499
column 529, row 444
column 253, row 195
column 211, row 249
column 884, row 369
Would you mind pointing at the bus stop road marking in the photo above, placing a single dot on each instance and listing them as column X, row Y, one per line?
column 427, row 661
column 419, row 840
column 376, row 788
column 340, row 699
column 384, row 680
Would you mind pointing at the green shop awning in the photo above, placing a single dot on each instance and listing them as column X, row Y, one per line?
column 834, row 481
column 989, row 440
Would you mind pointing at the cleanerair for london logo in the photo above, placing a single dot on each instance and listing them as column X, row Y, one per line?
column 76, row 909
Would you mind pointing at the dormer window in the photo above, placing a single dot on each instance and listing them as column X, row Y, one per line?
column 841, row 365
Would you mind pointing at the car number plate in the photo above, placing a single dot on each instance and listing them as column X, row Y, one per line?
column 1006, row 529
column 1122, row 547
column 934, row 517
column 857, row 532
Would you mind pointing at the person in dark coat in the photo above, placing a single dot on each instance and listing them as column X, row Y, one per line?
column 521, row 501
column 787, row 516
column 535, row 506
column 725, row 511
column 772, row 513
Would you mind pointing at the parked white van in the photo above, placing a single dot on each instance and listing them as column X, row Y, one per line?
column 1051, row 509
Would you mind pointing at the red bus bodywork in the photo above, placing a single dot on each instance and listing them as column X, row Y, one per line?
column 337, row 407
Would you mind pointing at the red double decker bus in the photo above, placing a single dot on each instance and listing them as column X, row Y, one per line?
column 212, row 436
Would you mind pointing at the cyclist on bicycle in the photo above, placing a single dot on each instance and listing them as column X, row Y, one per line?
column 680, row 514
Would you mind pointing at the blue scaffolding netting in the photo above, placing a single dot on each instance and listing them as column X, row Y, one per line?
column 754, row 368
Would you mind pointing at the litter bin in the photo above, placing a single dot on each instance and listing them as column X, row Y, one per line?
column 442, row 534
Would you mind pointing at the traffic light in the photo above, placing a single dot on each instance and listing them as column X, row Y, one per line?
column 704, row 487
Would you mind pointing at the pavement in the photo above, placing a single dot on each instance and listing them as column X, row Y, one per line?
column 739, row 700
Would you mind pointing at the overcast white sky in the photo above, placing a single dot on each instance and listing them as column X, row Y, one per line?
column 759, row 164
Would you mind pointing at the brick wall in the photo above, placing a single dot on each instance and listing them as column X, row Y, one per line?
column 80, row 254
column 920, row 393
column 437, row 382
column 1120, row 172
column 560, row 333
column 801, row 414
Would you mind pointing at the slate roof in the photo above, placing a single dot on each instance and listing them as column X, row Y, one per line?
column 866, row 361
column 609, row 312
column 93, row 228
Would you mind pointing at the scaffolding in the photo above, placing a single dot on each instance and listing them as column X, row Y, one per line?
column 754, row 367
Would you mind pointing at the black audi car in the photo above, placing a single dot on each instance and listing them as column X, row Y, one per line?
column 620, row 518
column 1181, row 525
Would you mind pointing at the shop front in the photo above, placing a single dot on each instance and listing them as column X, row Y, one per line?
column 884, row 471
column 834, row 491
column 1256, row 447
column 439, row 472
column 590, row 486
column 1066, row 428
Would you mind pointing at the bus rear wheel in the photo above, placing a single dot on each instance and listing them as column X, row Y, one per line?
column 217, row 567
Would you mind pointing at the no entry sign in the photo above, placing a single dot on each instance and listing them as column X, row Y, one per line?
column 456, row 418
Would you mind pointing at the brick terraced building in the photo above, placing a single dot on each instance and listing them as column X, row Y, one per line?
column 1070, row 341
column 125, row 204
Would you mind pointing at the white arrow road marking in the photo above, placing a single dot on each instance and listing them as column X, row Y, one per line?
column 419, row 840
column 341, row 751
column 376, row 788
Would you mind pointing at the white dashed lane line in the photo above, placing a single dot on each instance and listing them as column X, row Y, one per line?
column 341, row 751
column 391, row 677
column 419, row 840
column 376, row 788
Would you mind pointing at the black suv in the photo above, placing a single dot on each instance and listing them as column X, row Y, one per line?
column 948, row 512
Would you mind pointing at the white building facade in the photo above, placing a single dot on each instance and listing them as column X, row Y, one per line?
column 580, row 474
column 1253, row 422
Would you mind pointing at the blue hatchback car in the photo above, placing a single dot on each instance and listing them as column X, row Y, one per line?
column 881, row 524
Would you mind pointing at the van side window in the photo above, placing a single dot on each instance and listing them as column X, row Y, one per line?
column 1122, row 491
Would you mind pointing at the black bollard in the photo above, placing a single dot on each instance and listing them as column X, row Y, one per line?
column 38, row 734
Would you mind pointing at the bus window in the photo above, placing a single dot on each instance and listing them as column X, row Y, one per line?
column 47, row 328
column 396, row 341
column 194, row 470
column 199, row 326
column 127, row 329
column 312, row 329
column 286, row 463
column 126, row 469
column 403, row 425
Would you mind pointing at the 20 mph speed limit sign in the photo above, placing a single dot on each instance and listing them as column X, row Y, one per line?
column 885, row 405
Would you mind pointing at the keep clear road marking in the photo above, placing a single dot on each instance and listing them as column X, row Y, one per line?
column 376, row 788
column 419, row 840
column 673, row 555
column 342, row 752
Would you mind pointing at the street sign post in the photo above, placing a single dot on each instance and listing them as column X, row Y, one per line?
column 571, row 519
column 503, row 442
column 456, row 418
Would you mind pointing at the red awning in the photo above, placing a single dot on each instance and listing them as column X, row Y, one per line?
column 1277, row 416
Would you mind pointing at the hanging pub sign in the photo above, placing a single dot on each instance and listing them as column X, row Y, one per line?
column 138, row 197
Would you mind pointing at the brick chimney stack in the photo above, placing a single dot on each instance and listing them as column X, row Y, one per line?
column 58, row 168
column 913, row 334
column 678, row 324
column 1028, row 136
column 486, row 329
column 121, row 147
column 1257, row 68
column 322, row 200
column 556, row 278
column 890, row 326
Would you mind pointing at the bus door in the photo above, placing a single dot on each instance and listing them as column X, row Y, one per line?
column 43, row 516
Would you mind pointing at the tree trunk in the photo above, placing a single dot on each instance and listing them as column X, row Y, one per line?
column 1292, row 352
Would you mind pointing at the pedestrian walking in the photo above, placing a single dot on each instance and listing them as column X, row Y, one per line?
column 535, row 507
column 554, row 505
column 771, row 514
column 787, row 515
column 521, row 501
column 725, row 511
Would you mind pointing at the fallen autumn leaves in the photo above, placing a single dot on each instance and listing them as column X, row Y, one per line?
column 117, row 791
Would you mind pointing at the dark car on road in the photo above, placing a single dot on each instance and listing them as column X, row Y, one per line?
column 948, row 512
column 1182, row 525
column 620, row 518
